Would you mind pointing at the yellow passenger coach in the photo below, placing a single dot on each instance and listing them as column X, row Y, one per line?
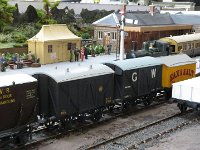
column 188, row 44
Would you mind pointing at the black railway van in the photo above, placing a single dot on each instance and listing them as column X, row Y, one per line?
column 18, row 100
column 75, row 91
column 137, row 77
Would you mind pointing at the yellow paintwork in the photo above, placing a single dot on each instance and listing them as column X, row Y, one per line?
column 175, row 74
column 171, row 42
column 57, row 35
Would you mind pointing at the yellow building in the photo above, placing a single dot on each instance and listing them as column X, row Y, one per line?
column 53, row 43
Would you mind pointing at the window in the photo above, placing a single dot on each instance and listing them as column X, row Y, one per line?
column 50, row 48
column 184, row 46
column 100, row 34
column 188, row 46
column 192, row 45
column 114, row 35
column 71, row 46
column 179, row 48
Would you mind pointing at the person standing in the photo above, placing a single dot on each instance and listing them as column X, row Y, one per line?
column 82, row 53
column 109, row 48
column 76, row 53
column 86, row 52
column 71, row 55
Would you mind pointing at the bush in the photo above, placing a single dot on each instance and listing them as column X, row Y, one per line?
column 85, row 36
column 5, row 38
column 17, row 45
column 19, row 37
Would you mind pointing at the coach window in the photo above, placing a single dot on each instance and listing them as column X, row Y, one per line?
column 50, row 48
column 192, row 45
column 179, row 48
column 184, row 46
column 100, row 34
column 188, row 45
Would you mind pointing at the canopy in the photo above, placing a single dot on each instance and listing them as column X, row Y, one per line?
column 54, row 32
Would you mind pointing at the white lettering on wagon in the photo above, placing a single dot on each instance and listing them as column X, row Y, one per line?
column 134, row 76
column 153, row 73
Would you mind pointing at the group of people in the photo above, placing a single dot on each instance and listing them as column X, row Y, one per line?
column 83, row 54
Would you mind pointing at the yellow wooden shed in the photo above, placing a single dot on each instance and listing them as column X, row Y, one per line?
column 53, row 43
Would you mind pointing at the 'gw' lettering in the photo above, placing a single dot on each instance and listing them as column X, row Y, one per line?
column 134, row 76
column 153, row 73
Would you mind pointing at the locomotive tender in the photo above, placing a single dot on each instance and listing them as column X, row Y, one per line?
column 84, row 92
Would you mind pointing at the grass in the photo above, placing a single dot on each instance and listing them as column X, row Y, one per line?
column 6, row 45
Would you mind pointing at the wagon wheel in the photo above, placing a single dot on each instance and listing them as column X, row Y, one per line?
column 50, row 124
column 182, row 107
column 96, row 116
column 147, row 101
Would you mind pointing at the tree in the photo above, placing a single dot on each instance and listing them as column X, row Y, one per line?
column 16, row 15
column 91, row 16
column 6, row 16
column 30, row 14
column 48, row 6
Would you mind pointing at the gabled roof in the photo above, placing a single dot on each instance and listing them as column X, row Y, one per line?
column 139, row 19
column 54, row 32
column 186, row 18
column 146, row 19
column 110, row 20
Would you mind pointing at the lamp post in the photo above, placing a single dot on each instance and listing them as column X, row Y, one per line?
column 121, row 56
column 35, row 39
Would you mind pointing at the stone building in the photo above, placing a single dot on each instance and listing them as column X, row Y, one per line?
column 139, row 27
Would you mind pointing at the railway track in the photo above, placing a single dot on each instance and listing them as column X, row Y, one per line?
column 134, row 138
column 43, row 135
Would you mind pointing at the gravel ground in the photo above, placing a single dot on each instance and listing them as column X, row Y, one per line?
column 108, row 130
column 152, row 131
column 185, row 139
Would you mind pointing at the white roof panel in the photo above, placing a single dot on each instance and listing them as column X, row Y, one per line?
column 135, row 63
column 186, row 38
column 79, row 72
column 176, row 60
column 8, row 79
column 187, row 90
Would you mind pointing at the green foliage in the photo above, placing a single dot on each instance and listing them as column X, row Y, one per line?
column 16, row 15
column 5, row 13
column 96, row 49
column 19, row 37
column 24, row 56
column 43, row 19
column 48, row 5
column 17, row 45
column 91, row 16
column 85, row 36
column 8, row 29
column 5, row 38
column 30, row 15
column 8, row 56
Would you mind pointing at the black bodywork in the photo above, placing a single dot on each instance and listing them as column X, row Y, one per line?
column 137, row 82
column 17, row 106
column 73, row 97
column 155, row 49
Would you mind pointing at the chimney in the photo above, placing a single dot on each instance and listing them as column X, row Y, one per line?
column 152, row 9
